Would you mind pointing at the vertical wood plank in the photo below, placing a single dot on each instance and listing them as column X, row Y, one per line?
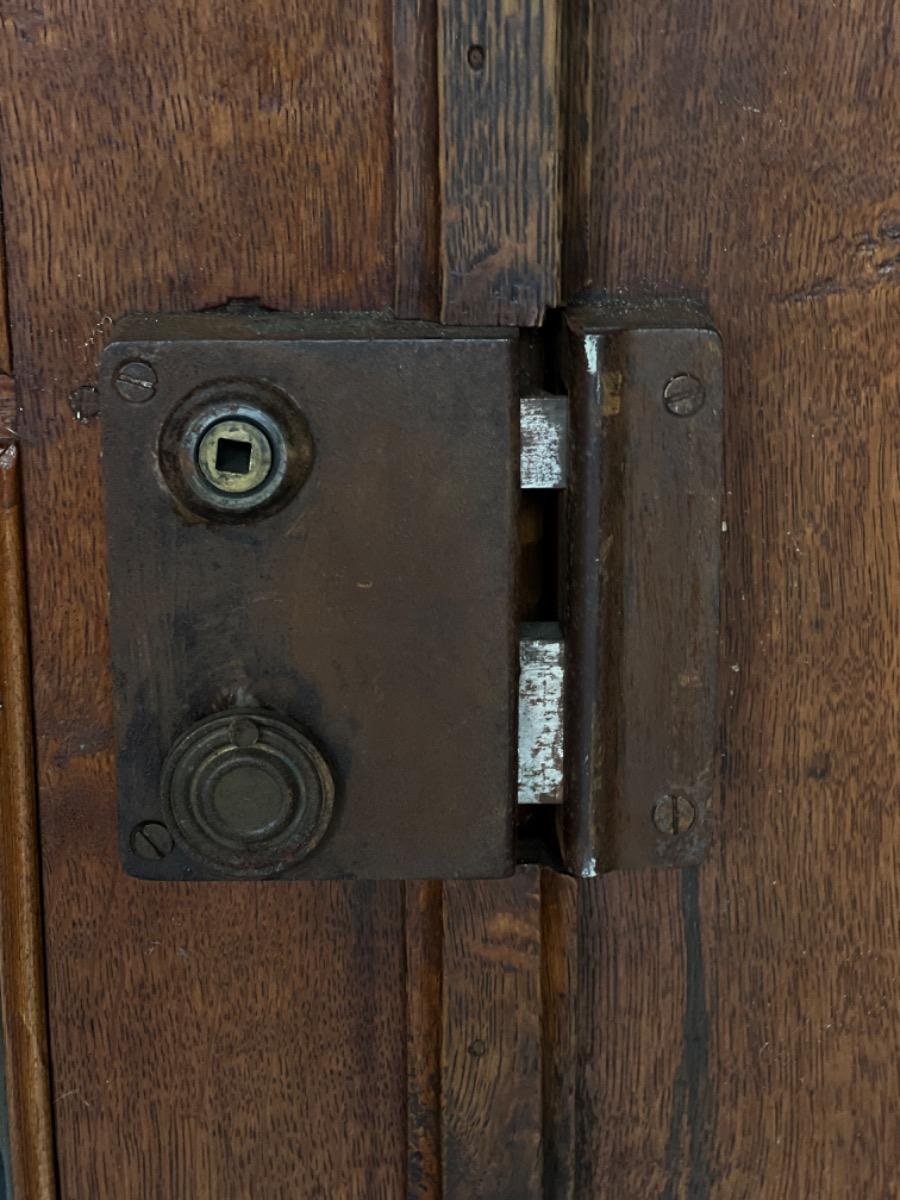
column 22, row 986
column 417, row 201
column 491, row 1102
column 424, row 994
column 499, row 122
column 581, row 62
column 5, row 349
column 21, row 950
column 559, row 1033
column 237, row 1040
column 741, row 1031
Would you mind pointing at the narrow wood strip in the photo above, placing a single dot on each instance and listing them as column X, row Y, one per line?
column 499, row 122
column 424, row 973
column 7, row 407
column 559, row 990
column 5, row 354
column 580, row 67
column 417, row 266
column 491, row 1059
column 21, row 960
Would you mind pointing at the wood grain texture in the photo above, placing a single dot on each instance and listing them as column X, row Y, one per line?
column 560, row 899
column 220, row 1040
column 5, row 350
column 424, row 991
column 417, row 186
column 491, row 1084
column 21, row 954
column 499, row 127
column 741, row 1031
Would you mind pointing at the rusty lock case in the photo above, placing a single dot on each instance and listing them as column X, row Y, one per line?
column 349, row 644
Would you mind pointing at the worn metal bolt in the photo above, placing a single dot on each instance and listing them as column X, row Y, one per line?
column 673, row 815
column 684, row 396
column 151, row 840
column 136, row 382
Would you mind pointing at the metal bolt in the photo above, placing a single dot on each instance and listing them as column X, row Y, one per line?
column 673, row 815
column 151, row 840
column 136, row 382
column 684, row 396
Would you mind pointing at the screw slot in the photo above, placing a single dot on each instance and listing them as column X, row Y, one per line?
column 684, row 396
column 674, row 815
column 136, row 382
column 151, row 840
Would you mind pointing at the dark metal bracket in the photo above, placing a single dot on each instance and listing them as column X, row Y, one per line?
column 317, row 606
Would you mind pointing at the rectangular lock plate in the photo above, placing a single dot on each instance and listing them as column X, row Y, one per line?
column 312, row 563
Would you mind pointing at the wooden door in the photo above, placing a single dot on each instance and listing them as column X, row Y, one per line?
column 729, row 1031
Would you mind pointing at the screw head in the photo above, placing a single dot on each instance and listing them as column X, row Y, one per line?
column 136, row 382
column 673, row 815
column 151, row 840
column 684, row 396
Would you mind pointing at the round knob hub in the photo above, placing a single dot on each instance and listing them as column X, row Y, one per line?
column 248, row 793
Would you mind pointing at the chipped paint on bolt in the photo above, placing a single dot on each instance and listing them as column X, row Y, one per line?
column 541, row 675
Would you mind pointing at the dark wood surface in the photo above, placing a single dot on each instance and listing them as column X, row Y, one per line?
column 416, row 154
column 216, row 1041
column 491, row 1037
column 499, row 133
column 491, row 1054
column 739, row 1023
column 21, row 954
column 733, row 1033
column 22, row 992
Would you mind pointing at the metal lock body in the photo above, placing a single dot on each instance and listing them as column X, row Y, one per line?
column 312, row 530
column 341, row 648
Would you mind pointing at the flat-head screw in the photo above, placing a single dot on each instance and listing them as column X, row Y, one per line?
column 136, row 382
column 684, row 395
column 151, row 840
column 673, row 815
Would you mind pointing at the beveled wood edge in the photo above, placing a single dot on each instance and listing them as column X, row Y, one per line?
column 424, row 919
column 416, row 182
column 22, row 987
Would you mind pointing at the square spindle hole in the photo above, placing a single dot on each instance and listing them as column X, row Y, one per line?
column 233, row 456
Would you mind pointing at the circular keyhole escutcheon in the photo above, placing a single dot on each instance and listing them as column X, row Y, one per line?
column 235, row 450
